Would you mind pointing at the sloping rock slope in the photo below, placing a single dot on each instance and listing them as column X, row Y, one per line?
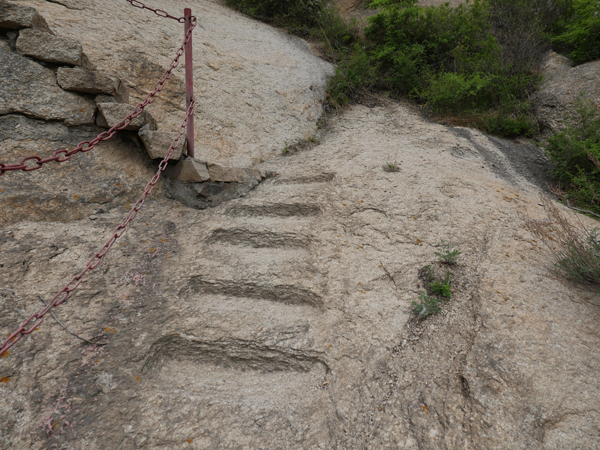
column 282, row 319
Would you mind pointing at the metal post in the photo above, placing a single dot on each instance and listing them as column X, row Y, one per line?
column 189, row 82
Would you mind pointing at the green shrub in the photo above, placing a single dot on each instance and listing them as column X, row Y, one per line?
column 426, row 306
column 300, row 12
column 447, row 254
column 413, row 43
column 578, row 32
column 442, row 288
column 475, row 60
column 512, row 119
column 581, row 260
column 354, row 73
column 338, row 35
column 521, row 28
column 575, row 156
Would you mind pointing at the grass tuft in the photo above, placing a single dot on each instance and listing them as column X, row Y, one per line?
column 575, row 249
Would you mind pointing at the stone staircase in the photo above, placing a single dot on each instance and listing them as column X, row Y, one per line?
column 259, row 347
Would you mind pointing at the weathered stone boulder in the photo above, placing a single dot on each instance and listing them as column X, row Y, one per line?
column 49, row 48
column 157, row 143
column 113, row 113
column 18, row 16
column 189, row 170
column 91, row 82
column 30, row 89
column 562, row 85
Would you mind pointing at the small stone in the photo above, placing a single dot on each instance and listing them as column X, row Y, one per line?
column 90, row 82
column 93, row 217
column 228, row 174
column 158, row 142
column 189, row 170
column 98, row 211
column 17, row 17
column 114, row 113
column 49, row 48
column 103, row 98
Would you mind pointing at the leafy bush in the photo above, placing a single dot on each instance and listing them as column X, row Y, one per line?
column 521, row 28
column 475, row 60
column 577, row 33
column 354, row 74
column 575, row 155
column 414, row 43
column 338, row 36
column 513, row 120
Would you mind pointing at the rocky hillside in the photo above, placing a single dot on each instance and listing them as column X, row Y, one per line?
column 281, row 318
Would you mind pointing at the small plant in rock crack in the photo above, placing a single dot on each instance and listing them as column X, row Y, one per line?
column 286, row 148
column 430, row 272
column 447, row 254
column 391, row 167
column 442, row 288
column 426, row 306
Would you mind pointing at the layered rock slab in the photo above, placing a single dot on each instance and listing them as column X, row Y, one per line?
column 32, row 90
column 49, row 48
column 78, row 79
column 15, row 16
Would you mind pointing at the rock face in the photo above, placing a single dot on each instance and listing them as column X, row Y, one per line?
column 31, row 89
column 283, row 319
column 255, row 86
column 562, row 85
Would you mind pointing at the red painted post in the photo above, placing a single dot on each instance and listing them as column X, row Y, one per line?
column 189, row 82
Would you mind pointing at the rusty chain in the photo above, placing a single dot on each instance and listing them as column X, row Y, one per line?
column 95, row 260
column 64, row 154
column 158, row 12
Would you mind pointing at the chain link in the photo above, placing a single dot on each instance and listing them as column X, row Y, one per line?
column 158, row 12
column 106, row 135
column 95, row 260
